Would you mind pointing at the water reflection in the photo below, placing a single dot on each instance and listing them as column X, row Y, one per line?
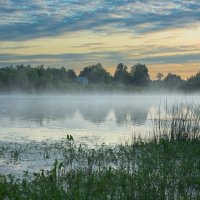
column 40, row 110
column 95, row 109
column 135, row 114
column 95, row 113
column 35, row 110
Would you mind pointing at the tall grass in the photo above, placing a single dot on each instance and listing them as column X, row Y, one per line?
column 166, row 166
column 180, row 122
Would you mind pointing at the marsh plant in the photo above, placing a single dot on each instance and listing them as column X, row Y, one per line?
column 179, row 122
column 166, row 166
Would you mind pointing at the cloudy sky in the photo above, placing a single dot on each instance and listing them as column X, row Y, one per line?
column 163, row 34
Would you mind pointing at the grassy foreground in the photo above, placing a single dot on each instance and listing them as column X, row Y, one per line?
column 165, row 167
column 164, row 170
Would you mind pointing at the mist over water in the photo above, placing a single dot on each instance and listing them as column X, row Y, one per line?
column 104, row 117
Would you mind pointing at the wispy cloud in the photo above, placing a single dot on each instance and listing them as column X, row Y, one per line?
column 113, row 57
column 21, row 20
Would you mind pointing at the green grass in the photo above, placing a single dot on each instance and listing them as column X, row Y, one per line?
column 166, row 166
column 164, row 170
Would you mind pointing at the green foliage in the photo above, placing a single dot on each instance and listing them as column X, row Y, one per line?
column 193, row 82
column 139, row 74
column 121, row 74
column 27, row 78
column 71, row 74
column 172, row 81
column 34, row 78
column 96, row 74
column 151, row 170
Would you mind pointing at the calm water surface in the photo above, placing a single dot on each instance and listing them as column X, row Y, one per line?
column 104, row 117
column 30, row 125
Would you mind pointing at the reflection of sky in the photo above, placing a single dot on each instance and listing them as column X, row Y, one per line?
column 161, row 33
column 110, row 117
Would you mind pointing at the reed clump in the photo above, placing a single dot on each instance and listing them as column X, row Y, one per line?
column 181, row 122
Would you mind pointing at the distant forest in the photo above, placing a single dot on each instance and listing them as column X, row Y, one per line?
column 28, row 78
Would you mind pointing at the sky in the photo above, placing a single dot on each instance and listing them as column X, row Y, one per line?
column 163, row 34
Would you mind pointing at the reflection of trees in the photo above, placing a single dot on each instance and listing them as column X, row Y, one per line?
column 38, row 110
column 45, row 110
column 121, row 114
column 135, row 114
column 96, row 113
column 138, row 115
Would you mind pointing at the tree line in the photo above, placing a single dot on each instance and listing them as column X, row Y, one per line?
column 33, row 78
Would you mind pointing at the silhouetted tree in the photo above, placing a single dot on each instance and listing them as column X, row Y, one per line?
column 159, row 76
column 121, row 74
column 38, row 78
column 172, row 81
column 193, row 82
column 96, row 74
column 27, row 77
column 140, row 75
column 71, row 74
column 40, row 69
